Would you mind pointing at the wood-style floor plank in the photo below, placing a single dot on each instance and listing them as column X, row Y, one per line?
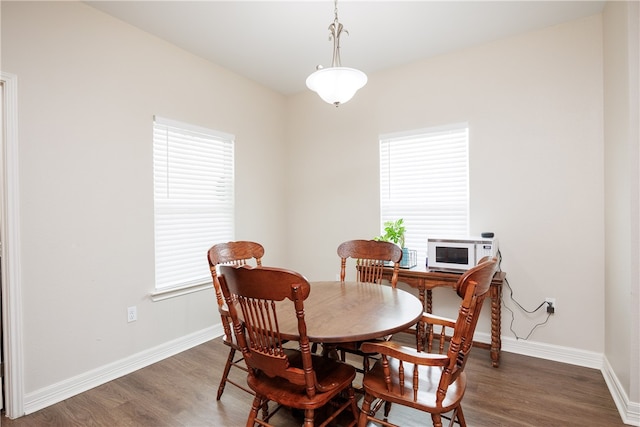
column 180, row 392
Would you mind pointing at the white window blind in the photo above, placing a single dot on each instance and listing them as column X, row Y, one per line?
column 193, row 200
column 424, row 178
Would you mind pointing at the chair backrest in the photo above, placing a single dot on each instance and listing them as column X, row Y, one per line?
column 370, row 256
column 232, row 253
column 256, row 292
column 472, row 287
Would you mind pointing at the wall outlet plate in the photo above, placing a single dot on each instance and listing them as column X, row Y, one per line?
column 132, row 314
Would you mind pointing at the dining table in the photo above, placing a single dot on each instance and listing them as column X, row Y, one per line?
column 339, row 312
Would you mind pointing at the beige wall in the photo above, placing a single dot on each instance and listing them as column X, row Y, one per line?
column 622, row 187
column 534, row 108
column 88, row 88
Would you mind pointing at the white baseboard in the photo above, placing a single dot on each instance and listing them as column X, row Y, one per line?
column 629, row 411
column 572, row 356
column 58, row 392
column 556, row 353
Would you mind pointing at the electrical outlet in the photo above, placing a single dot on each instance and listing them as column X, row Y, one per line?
column 132, row 314
column 551, row 305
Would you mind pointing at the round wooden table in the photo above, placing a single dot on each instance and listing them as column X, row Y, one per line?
column 338, row 312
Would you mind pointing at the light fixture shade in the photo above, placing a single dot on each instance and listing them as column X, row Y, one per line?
column 336, row 85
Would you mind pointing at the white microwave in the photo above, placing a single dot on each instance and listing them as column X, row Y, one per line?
column 459, row 254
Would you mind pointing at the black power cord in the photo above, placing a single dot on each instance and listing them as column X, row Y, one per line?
column 550, row 308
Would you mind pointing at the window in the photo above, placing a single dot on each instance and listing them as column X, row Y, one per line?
column 424, row 178
column 193, row 200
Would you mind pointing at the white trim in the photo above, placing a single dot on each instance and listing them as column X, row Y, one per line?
column 629, row 411
column 65, row 389
column 421, row 131
column 572, row 356
column 11, row 271
column 194, row 128
column 164, row 294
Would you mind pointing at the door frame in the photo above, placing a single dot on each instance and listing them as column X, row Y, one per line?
column 10, row 256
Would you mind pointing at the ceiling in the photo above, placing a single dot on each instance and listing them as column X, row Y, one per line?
column 279, row 43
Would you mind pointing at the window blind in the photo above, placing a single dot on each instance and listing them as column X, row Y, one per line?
column 193, row 200
column 424, row 178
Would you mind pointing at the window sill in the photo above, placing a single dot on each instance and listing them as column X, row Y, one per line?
column 163, row 294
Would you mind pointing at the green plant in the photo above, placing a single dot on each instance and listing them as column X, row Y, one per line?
column 393, row 232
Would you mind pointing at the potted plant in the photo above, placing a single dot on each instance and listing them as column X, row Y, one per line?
column 393, row 232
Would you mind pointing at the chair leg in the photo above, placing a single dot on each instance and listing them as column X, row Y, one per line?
column 365, row 364
column 309, row 417
column 364, row 410
column 387, row 409
column 225, row 372
column 437, row 420
column 257, row 404
column 457, row 414
column 354, row 405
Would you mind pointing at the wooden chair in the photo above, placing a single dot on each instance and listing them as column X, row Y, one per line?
column 231, row 253
column 291, row 378
column 433, row 383
column 370, row 257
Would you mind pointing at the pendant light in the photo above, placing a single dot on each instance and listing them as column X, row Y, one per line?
column 336, row 84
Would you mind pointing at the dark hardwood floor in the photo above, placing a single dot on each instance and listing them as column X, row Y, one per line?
column 180, row 391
